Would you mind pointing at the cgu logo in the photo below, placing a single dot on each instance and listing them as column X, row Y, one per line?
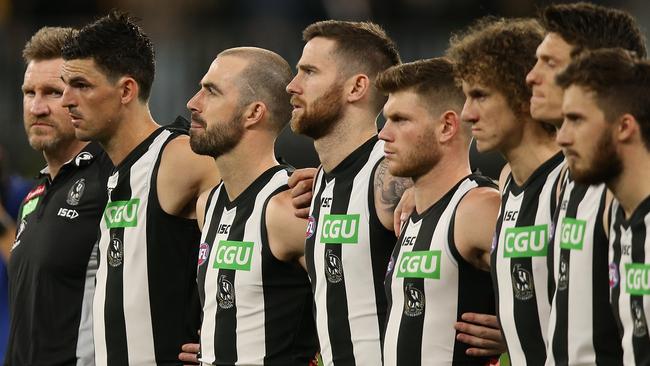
column 526, row 241
column 341, row 229
column 122, row 213
column 420, row 264
column 235, row 255
column 572, row 233
column 637, row 278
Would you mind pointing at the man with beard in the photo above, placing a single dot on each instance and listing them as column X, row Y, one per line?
column 257, row 303
column 349, row 236
column 497, row 106
column 52, row 267
column 606, row 137
column 440, row 266
column 581, row 324
column 146, row 302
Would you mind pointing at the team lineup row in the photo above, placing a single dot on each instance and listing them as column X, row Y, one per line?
column 392, row 252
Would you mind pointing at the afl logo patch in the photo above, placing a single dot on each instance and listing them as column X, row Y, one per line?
column 204, row 252
column 82, row 158
column 76, row 191
column 311, row 227
column 115, row 252
column 613, row 275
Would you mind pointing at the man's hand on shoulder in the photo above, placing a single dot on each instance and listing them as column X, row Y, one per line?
column 301, row 183
column 182, row 177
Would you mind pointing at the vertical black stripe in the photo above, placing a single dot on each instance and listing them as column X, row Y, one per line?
column 337, row 301
column 640, row 342
column 563, row 280
column 209, row 238
column 226, row 319
column 114, row 322
column 389, row 275
column 494, row 261
column 310, row 242
column 382, row 242
column 525, row 311
column 606, row 338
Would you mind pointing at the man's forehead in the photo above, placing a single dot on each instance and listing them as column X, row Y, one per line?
column 43, row 70
column 318, row 50
column 86, row 66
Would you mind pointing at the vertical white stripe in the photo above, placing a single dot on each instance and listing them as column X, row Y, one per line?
column 137, row 307
column 320, row 296
column 85, row 347
column 251, row 337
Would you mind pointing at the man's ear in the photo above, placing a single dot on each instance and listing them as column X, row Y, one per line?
column 254, row 113
column 449, row 125
column 129, row 89
column 356, row 87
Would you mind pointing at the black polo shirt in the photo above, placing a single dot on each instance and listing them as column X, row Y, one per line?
column 51, row 270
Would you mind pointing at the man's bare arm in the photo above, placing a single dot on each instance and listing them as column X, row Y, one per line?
column 286, row 232
column 388, row 190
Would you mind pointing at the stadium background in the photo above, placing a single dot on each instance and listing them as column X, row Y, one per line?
column 187, row 35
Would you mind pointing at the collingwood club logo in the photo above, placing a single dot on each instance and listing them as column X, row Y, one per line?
column 522, row 283
column 76, row 191
column 19, row 232
column 83, row 157
column 226, row 295
column 563, row 280
column 115, row 254
column 414, row 301
column 639, row 320
column 333, row 267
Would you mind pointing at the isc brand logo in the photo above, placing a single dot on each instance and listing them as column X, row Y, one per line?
column 526, row 241
column 326, row 202
column 637, row 278
column 342, row 229
column 510, row 215
column 572, row 233
column 122, row 213
column 235, row 255
column 223, row 229
column 420, row 264
column 68, row 213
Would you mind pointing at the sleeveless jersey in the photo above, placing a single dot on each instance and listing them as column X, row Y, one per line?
column 582, row 329
column 257, row 310
column 347, row 251
column 146, row 301
column 630, row 280
column 429, row 286
column 519, row 262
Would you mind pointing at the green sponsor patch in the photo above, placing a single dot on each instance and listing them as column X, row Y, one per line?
column 342, row 229
column 572, row 233
column 235, row 255
column 526, row 241
column 122, row 213
column 420, row 264
column 637, row 278
column 29, row 207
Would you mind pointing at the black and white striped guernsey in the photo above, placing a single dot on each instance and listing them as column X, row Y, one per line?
column 582, row 329
column 146, row 301
column 519, row 262
column 347, row 251
column 257, row 310
column 630, row 279
column 429, row 286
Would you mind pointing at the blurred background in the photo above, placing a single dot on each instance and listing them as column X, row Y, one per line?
column 188, row 34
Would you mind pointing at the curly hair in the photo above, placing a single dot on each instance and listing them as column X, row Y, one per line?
column 118, row 46
column 46, row 44
column 620, row 81
column 588, row 27
column 498, row 53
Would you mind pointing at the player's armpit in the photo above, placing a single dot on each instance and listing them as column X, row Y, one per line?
column 388, row 190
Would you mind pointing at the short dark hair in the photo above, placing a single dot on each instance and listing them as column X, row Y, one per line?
column 46, row 43
column 119, row 47
column 499, row 53
column 265, row 79
column 363, row 46
column 432, row 79
column 587, row 26
column 620, row 81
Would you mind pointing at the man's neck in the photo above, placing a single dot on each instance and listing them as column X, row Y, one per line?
column 431, row 187
column 535, row 148
column 128, row 135
column 632, row 186
column 344, row 139
column 240, row 167
column 56, row 159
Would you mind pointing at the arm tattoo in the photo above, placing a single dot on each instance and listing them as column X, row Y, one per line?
column 389, row 188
